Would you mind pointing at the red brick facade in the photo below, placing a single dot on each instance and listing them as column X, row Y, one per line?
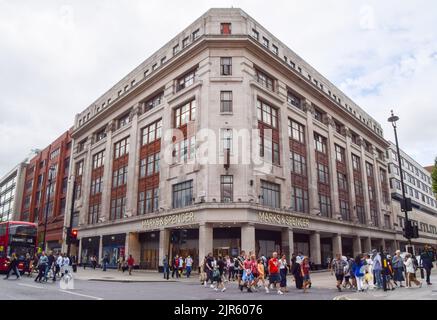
column 35, row 200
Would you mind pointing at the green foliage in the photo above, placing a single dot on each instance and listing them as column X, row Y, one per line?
column 434, row 177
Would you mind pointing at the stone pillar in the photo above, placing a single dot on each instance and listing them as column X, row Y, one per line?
column 337, row 244
column 378, row 191
column 368, row 245
column 205, row 240
column 133, row 246
column 350, row 178
column 311, row 159
column 287, row 242
column 357, row 245
column 107, row 174
column 248, row 238
column 164, row 242
column 315, row 250
column 100, row 249
column 335, row 201
column 365, row 185
column 133, row 164
column 382, row 244
column 86, row 185
column 79, row 254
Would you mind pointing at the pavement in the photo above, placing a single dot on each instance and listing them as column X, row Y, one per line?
column 149, row 285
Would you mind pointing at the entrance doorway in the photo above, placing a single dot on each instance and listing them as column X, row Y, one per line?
column 222, row 252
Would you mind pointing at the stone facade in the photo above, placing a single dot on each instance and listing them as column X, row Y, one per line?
column 11, row 193
column 187, row 90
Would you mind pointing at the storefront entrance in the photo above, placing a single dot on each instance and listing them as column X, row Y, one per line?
column 114, row 248
column 267, row 242
column 149, row 258
column 188, row 246
column 90, row 248
column 226, row 242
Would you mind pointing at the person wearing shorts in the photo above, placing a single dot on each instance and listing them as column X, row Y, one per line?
column 337, row 268
column 306, row 273
column 274, row 276
column 239, row 268
column 247, row 279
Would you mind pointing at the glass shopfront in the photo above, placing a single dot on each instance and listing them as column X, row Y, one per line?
column 149, row 258
column 113, row 248
column 188, row 246
column 267, row 242
column 90, row 247
column 301, row 243
column 226, row 242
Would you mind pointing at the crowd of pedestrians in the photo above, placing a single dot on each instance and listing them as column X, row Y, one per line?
column 46, row 266
column 380, row 270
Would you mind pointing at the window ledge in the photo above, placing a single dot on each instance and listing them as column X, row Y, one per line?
column 226, row 113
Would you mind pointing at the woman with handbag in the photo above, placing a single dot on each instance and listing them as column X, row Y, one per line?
column 411, row 272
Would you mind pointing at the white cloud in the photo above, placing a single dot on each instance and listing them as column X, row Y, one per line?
column 57, row 57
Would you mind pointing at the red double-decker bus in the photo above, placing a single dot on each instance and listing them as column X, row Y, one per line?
column 18, row 237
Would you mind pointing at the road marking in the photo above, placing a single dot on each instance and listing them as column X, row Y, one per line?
column 82, row 295
column 30, row 285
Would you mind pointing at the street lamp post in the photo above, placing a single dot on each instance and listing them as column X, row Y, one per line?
column 51, row 170
column 393, row 120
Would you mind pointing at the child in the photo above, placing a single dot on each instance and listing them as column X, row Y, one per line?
column 306, row 273
column 261, row 274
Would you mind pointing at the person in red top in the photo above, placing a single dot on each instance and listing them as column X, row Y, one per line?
column 130, row 264
column 274, row 276
column 305, row 267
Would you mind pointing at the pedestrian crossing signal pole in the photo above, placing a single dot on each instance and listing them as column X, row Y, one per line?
column 406, row 202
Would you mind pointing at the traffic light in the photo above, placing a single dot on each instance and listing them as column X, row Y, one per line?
column 184, row 235
column 406, row 205
column 408, row 230
column 74, row 234
column 415, row 234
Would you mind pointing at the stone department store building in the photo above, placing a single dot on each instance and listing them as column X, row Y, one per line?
column 325, row 189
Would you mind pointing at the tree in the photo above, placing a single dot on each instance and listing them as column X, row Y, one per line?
column 434, row 177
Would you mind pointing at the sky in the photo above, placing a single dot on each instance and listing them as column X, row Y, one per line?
column 58, row 57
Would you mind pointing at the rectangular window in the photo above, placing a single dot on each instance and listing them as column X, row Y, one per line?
column 121, row 148
column 185, row 81
column 227, row 188
column 320, row 143
column 275, row 49
column 183, row 194
column 119, row 177
column 184, row 150
column 298, row 164
column 356, row 164
column 185, row 113
column 96, row 186
column 225, row 101
column 265, row 80
column 79, row 169
column 270, row 194
column 299, row 199
column 255, row 34
column 148, row 201
column 226, row 66
column 293, row 100
column 361, row 214
column 339, row 154
column 153, row 102
column 358, row 188
column 342, row 181
column 225, row 28
column 124, row 120
column 374, row 217
column 118, row 208
column 151, row 133
column 318, row 115
column 55, row 153
column 387, row 223
column 344, row 210
column 296, row 131
column 94, row 213
column 185, row 42
column 154, row 67
column 265, row 42
column 195, row 35
column 323, row 173
column 100, row 134
column 325, row 205
column 369, row 170
column 176, row 49
column 226, row 140
column 267, row 114
column 98, row 159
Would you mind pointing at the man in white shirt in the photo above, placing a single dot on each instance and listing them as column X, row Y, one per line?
column 188, row 265
column 58, row 265
column 65, row 264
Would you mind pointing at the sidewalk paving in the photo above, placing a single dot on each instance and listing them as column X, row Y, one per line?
column 321, row 279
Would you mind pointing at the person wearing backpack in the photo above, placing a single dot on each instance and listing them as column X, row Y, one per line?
column 337, row 267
